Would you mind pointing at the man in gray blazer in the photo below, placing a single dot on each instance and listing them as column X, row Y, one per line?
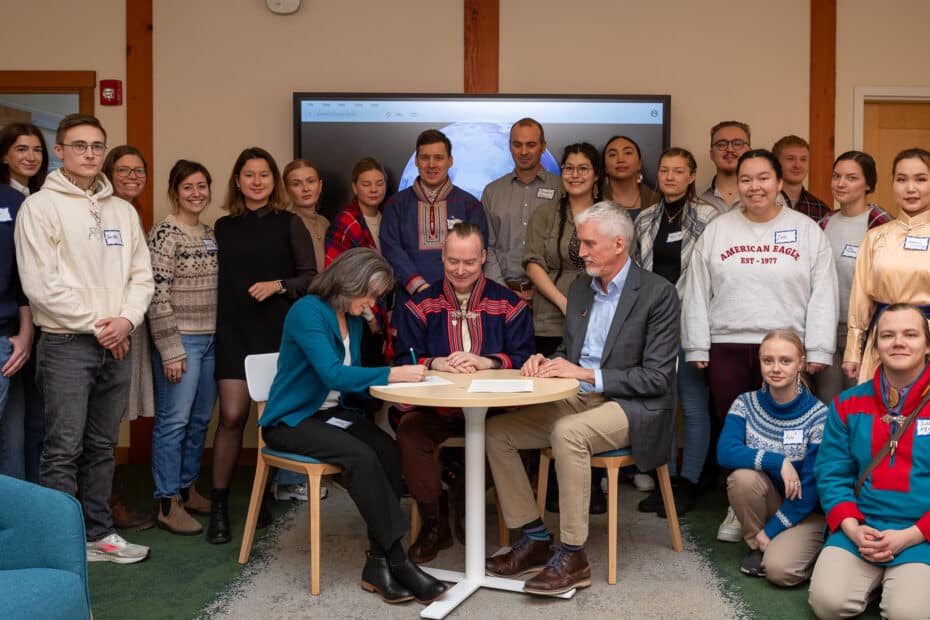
column 621, row 340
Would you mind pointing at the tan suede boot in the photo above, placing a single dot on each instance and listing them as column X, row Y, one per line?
column 194, row 502
column 174, row 518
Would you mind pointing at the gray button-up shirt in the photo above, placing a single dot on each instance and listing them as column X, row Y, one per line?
column 508, row 204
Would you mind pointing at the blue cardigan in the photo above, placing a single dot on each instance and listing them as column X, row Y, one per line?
column 310, row 363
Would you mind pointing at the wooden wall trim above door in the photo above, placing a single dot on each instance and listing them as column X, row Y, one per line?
column 822, row 97
column 482, row 46
column 80, row 82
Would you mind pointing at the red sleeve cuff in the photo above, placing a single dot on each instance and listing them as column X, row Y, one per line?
column 414, row 283
column 923, row 524
column 844, row 510
column 503, row 358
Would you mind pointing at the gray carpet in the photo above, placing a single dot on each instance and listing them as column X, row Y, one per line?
column 653, row 580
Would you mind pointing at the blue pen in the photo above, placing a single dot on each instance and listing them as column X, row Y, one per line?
column 413, row 357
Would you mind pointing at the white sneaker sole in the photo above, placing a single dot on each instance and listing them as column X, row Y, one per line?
column 102, row 556
column 730, row 536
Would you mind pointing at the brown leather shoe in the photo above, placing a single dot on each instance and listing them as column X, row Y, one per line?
column 434, row 535
column 525, row 556
column 127, row 519
column 195, row 502
column 564, row 571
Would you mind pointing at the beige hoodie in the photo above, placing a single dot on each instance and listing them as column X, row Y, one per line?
column 75, row 272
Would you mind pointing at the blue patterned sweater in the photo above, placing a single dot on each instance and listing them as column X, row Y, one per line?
column 760, row 433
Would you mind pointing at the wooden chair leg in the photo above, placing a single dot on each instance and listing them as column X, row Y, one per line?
column 255, row 504
column 668, row 500
column 313, row 497
column 503, row 532
column 542, row 485
column 613, row 476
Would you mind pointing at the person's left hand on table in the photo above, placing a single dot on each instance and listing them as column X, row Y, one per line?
column 465, row 362
column 560, row 367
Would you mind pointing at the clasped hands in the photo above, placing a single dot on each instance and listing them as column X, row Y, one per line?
column 114, row 335
column 880, row 546
column 462, row 362
column 539, row 366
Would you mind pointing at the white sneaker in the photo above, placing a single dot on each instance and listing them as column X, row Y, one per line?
column 114, row 548
column 284, row 492
column 730, row 530
column 644, row 483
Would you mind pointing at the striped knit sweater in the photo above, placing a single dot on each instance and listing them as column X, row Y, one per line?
column 760, row 433
column 185, row 267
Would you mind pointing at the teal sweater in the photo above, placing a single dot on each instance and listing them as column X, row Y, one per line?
column 310, row 363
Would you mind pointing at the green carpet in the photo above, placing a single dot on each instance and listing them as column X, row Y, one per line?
column 763, row 600
column 183, row 574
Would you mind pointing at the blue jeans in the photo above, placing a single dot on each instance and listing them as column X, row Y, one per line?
column 182, row 413
column 692, row 394
column 85, row 392
column 12, row 423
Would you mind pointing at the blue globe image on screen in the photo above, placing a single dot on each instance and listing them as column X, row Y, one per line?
column 480, row 154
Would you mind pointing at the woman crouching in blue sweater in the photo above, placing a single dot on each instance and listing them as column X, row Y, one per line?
column 770, row 440
column 308, row 413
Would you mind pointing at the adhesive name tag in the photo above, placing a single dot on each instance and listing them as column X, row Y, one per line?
column 5, row 215
column 339, row 422
column 920, row 244
column 675, row 237
column 793, row 436
column 546, row 193
column 786, row 236
column 113, row 237
column 923, row 427
column 850, row 250
column 452, row 221
column 209, row 245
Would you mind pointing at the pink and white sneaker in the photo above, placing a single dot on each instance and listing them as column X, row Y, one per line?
column 114, row 548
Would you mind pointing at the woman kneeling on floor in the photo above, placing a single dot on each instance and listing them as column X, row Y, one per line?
column 308, row 412
column 873, row 475
column 770, row 439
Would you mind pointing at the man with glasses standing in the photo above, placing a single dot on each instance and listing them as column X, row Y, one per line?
column 510, row 201
column 85, row 268
column 728, row 141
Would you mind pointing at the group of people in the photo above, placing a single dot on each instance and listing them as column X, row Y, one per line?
column 649, row 298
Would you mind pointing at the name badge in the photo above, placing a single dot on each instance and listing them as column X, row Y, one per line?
column 452, row 221
column 209, row 245
column 793, row 436
column 850, row 250
column 675, row 237
column 546, row 193
column 786, row 236
column 5, row 215
column 920, row 244
column 113, row 237
column 339, row 422
column 923, row 427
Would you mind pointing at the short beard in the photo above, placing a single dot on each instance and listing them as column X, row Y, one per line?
column 594, row 272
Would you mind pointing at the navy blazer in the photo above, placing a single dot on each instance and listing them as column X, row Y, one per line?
column 638, row 365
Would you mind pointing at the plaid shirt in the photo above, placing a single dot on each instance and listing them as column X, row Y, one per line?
column 877, row 217
column 809, row 205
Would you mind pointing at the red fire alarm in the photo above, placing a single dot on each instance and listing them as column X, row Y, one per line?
column 111, row 92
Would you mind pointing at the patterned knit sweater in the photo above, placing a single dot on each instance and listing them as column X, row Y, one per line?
column 185, row 267
column 760, row 433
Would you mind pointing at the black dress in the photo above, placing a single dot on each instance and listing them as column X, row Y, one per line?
column 258, row 246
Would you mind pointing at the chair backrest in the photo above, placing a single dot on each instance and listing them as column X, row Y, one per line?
column 259, row 373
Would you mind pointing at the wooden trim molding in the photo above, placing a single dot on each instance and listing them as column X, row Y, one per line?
column 482, row 46
column 822, row 97
column 81, row 82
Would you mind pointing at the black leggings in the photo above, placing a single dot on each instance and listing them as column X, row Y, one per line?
column 370, row 462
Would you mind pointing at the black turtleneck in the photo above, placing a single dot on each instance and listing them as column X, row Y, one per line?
column 666, row 255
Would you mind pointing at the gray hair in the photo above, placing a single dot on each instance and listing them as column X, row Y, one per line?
column 612, row 219
column 355, row 273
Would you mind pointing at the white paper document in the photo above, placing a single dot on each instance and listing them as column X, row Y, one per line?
column 501, row 385
column 431, row 380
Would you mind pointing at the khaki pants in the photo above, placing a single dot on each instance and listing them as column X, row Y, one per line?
column 575, row 428
column 842, row 582
column 790, row 556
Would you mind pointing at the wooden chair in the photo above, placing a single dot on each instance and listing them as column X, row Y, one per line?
column 503, row 534
column 259, row 373
column 612, row 461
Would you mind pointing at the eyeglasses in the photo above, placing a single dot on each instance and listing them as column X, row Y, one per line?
column 721, row 145
column 125, row 171
column 97, row 148
column 582, row 170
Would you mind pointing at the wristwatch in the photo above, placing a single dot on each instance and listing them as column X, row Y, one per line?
column 283, row 287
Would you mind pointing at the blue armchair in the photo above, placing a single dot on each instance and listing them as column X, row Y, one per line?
column 43, row 554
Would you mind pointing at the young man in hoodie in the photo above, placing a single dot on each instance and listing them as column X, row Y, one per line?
column 85, row 268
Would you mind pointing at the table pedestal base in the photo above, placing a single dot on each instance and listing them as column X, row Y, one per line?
column 464, row 588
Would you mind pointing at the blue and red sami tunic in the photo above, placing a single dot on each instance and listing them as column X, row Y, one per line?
column 499, row 323
column 897, row 493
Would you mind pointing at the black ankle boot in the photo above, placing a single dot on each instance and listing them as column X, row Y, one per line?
column 218, row 530
column 424, row 587
column 377, row 577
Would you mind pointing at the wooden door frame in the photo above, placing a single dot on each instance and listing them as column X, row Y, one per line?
column 863, row 94
column 66, row 82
